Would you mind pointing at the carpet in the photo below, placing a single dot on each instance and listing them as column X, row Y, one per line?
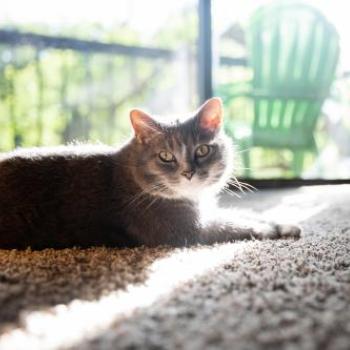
column 282, row 294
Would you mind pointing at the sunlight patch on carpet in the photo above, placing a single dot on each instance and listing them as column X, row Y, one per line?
column 63, row 326
column 298, row 207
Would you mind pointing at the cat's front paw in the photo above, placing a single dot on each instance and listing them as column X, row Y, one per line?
column 275, row 231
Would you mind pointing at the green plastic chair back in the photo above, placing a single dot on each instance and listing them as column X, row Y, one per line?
column 293, row 52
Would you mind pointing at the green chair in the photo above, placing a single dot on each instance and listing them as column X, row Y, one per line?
column 293, row 53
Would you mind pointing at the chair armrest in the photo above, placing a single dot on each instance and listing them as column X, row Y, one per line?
column 234, row 90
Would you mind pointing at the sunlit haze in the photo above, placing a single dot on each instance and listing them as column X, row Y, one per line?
column 143, row 16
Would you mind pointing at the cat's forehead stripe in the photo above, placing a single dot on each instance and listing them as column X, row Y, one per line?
column 183, row 150
column 169, row 142
column 175, row 138
column 178, row 135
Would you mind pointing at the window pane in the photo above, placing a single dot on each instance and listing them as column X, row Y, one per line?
column 71, row 70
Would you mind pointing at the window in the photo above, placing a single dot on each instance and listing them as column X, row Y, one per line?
column 274, row 67
column 72, row 70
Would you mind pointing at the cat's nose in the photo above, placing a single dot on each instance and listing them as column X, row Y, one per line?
column 188, row 174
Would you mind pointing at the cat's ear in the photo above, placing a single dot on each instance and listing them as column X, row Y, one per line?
column 145, row 127
column 210, row 115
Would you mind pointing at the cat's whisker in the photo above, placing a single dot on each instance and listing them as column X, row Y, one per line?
column 233, row 192
column 152, row 202
column 136, row 199
column 230, row 192
column 239, row 187
column 156, row 198
column 243, row 185
column 238, row 167
column 247, row 186
column 145, row 194
column 237, row 184
column 243, row 150
column 233, row 183
column 140, row 200
column 133, row 200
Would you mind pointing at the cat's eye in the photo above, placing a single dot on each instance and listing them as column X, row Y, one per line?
column 166, row 156
column 202, row 151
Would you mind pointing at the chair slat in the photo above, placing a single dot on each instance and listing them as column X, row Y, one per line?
column 294, row 52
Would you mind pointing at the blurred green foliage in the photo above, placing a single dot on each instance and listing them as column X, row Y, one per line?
column 51, row 96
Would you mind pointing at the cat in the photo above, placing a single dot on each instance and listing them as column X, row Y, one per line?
column 151, row 191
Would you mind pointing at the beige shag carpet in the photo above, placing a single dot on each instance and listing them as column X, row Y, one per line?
column 246, row 295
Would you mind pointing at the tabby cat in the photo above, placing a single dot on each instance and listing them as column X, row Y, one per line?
column 158, row 188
